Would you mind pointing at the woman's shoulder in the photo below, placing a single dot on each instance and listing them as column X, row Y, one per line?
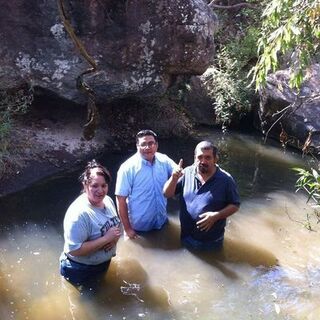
column 108, row 200
column 81, row 200
column 79, row 206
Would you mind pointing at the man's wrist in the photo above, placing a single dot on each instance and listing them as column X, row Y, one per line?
column 174, row 178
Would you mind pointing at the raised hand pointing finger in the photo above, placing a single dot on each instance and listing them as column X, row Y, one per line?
column 180, row 164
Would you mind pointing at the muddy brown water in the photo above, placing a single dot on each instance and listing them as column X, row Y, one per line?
column 269, row 268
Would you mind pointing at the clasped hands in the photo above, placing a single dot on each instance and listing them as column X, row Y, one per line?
column 112, row 236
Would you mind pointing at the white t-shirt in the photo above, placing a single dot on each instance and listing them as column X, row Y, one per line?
column 83, row 222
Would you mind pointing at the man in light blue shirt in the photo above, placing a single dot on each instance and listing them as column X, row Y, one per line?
column 140, row 180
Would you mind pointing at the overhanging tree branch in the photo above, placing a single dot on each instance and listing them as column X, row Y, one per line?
column 234, row 6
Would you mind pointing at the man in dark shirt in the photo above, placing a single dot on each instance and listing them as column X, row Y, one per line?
column 208, row 195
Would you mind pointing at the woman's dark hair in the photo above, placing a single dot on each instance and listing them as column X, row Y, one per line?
column 93, row 164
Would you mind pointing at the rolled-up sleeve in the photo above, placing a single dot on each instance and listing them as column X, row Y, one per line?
column 123, row 186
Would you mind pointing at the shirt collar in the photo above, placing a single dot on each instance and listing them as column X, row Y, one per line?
column 144, row 161
column 212, row 177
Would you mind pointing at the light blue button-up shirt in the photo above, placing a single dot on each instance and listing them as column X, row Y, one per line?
column 142, row 183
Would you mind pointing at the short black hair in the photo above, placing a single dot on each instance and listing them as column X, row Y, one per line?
column 144, row 133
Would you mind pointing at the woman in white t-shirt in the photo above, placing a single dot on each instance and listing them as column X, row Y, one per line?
column 91, row 230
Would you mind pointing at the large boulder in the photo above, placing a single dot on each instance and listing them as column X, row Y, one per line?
column 142, row 49
column 198, row 103
column 139, row 46
column 292, row 117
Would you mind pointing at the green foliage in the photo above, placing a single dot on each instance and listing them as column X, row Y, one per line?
column 310, row 182
column 16, row 101
column 236, row 52
column 5, row 127
column 244, row 50
column 11, row 104
column 226, row 88
column 289, row 26
column 290, row 32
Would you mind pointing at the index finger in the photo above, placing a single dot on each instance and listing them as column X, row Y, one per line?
column 180, row 163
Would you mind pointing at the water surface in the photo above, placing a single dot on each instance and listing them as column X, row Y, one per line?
column 269, row 269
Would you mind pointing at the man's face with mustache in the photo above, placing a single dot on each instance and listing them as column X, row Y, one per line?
column 205, row 161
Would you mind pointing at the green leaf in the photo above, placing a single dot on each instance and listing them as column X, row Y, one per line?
column 315, row 173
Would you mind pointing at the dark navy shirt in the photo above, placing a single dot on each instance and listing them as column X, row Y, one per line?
column 214, row 195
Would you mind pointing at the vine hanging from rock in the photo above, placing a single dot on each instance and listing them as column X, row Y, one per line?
column 93, row 114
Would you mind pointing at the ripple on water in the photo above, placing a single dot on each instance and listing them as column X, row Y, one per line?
column 293, row 290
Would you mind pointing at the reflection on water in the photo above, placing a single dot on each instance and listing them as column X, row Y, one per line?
column 269, row 267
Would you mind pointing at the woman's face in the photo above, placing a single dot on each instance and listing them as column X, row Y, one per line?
column 96, row 189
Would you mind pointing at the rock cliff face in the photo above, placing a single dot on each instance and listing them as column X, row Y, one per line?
column 139, row 46
column 141, row 49
column 293, row 116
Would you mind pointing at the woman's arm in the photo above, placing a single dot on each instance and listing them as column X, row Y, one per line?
column 91, row 246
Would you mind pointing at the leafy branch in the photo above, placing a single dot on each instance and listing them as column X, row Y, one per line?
column 309, row 181
column 289, row 27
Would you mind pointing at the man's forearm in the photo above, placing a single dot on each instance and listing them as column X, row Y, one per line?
column 228, row 211
column 123, row 212
column 169, row 187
